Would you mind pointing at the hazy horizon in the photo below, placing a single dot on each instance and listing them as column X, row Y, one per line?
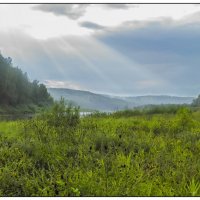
column 113, row 49
column 121, row 95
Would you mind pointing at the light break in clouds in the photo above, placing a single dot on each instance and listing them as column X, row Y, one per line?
column 121, row 49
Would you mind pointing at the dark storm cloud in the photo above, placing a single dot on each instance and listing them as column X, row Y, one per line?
column 72, row 11
column 91, row 25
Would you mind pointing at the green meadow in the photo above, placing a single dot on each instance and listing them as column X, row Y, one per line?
column 127, row 153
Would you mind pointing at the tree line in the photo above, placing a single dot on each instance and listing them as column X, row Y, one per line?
column 16, row 88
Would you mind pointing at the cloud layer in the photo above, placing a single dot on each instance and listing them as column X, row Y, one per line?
column 72, row 11
column 169, row 51
column 91, row 25
column 116, row 6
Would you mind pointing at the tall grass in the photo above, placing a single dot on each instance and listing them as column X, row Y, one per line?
column 60, row 154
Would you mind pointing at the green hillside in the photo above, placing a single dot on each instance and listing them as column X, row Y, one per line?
column 17, row 91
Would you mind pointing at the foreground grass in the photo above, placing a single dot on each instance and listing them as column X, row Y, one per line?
column 145, row 155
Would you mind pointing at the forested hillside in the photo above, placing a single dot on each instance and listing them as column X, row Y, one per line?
column 16, row 89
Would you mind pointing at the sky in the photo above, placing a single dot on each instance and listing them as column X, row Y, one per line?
column 117, row 49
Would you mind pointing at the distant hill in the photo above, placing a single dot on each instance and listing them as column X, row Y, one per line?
column 89, row 100
column 157, row 100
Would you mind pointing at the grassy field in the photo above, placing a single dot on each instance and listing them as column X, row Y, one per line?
column 60, row 154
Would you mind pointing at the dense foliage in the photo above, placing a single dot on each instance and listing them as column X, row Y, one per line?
column 16, row 89
column 150, row 109
column 60, row 154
